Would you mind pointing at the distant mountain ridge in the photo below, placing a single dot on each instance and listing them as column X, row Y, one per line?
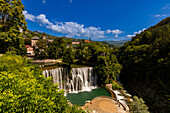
column 117, row 43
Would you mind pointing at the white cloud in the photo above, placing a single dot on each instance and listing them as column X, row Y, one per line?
column 29, row 16
column 44, row 1
column 70, row 1
column 116, row 32
column 134, row 33
column 164, row 15
column 42, row 19
column 139, row 31
column 72, row 29
column 167, row 6
column 130, row 36
column 159, row 15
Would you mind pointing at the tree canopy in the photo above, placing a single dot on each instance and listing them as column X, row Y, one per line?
column 12, row 21
column 146, row 64
column 23, row 88
column 138, row 105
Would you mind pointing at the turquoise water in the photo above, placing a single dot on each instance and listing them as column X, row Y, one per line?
column 82, row 97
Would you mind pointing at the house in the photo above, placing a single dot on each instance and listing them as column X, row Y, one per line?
column 44, row 37
column 75, row 43
column 50, row 40
column 30, row 50
column 34, row 40
column 88, row 41
column 20, row 30
column 26, row 32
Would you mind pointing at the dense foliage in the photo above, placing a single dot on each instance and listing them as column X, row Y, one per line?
column 138, row 105
column 53, row 50
column 69, row 55
column 11, row 21
column 24, row 89
column 100, row 56
column 146, row 64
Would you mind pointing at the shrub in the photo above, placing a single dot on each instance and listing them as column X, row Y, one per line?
column 24, row 89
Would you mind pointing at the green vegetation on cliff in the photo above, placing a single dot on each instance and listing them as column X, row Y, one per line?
column 138, row 105
column 146, row 64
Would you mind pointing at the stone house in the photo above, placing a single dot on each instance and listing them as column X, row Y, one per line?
column 34, row 40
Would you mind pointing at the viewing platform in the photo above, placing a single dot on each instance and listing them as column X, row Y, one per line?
column 104, row 104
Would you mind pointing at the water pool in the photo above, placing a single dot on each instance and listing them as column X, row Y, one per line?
column 82, row 97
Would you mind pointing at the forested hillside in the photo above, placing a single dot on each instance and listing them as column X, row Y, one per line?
column 146, row 65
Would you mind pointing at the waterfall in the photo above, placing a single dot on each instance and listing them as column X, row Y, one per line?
column 81, row 79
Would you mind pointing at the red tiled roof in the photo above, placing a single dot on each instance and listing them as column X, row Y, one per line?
column 35, row 38
column 88, row 41
column 27, row 46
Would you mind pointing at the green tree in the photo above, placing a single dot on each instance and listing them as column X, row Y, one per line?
column 57, row 48
column 68, row 56
column 138, row 105
column 12, row 20
column 41, row 51
column 108, row 67
column 100, row 56
column 62, row 45
column 89, row 38
column 146, row 63
column 23, row 88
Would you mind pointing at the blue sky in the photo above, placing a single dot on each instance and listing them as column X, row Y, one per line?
column 98, row 19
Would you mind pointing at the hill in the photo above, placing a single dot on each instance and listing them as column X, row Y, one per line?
column 117, row 43
column 30, row 34
column 146, row 64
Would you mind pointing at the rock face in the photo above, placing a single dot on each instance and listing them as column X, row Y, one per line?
column 79, row 80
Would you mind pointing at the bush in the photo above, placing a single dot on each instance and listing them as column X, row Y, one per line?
column 24, row 89
column 115, row 85
column 138, row 105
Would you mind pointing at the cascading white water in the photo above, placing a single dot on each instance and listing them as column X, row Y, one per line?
column 81, row 79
